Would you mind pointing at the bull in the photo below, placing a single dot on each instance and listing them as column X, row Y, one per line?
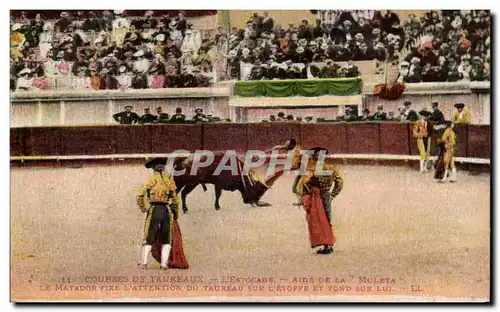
column 249, row 185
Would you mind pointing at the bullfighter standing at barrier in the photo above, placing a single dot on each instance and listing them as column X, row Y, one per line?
column 316, row 200
column 161, row 226
column 422, row 130
column 446, row 159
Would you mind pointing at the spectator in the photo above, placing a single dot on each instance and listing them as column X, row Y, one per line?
column 199, row 116
column 309, row 119
column 124, row 78
column 436, row 115
column 281, row 117
column 350, row 70
column 91, row 23
column 25, row 81
column 147, row 117
column 161, row 116
column 126, row 117
column 391, row 117
column 366, row 115
column 349, row 115
column 81, row 81
column 330, row 70
column 272, row 118
column 410, row 114
column 403, row 115
column 380, row 115
column 178, row 117
column 62, row 23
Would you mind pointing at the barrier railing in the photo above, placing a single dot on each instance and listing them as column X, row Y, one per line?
column 383, row 141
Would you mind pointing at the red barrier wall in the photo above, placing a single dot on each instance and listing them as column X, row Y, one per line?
column 353, row 138
column 42, row 141
column 87, row 140
column 363, row 138
column 332, row 136
column 393, row 137
column 479, row 141
column 17, row 137
column 266, row 135
column 462, row 140
column 225, row 137
column 169, row 138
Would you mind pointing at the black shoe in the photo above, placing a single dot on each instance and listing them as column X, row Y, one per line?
column 325, row 251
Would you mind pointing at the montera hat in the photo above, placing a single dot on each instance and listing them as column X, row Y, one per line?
column 155, row 161
column 425, row 113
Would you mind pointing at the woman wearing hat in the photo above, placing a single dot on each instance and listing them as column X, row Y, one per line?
column 422, row 130
column 24, row 82
column 445, row 165
column 120, row 27
column 316, row 197
column 158, row 197
column 462, row 115
column 62, row 23
column 124, row 78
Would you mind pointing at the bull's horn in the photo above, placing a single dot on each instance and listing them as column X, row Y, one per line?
column 272, row 178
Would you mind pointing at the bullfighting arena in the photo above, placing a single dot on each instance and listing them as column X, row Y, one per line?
column 76, row 235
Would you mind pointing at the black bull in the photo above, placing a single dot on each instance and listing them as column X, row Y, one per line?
column 251, row 189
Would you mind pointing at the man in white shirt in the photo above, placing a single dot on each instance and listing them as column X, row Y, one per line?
column 175, row 34
column 45, row 40
column 141, row 64
column 124, row 78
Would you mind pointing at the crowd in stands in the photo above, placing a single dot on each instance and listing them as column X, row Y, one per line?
column 438, row 46
column 109, row 50
column 117, row 51
column 129, row 117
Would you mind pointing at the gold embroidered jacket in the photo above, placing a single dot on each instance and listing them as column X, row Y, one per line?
column 160, row 188
column 420, row 129
column 324, row 182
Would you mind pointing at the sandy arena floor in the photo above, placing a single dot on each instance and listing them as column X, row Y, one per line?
column 76, row 235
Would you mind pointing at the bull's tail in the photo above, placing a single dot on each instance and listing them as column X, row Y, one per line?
column 204, row 187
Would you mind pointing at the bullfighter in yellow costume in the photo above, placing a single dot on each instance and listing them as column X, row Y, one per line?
column 445, row 165
column 462, row 115
column 316, row 190
column 422, row 132
column 163, row 210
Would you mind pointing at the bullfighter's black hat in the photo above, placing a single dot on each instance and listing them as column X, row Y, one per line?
column 444, row 122
column 317, row 150
column 425, row 113
column 459, row 105
column 156, row 161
